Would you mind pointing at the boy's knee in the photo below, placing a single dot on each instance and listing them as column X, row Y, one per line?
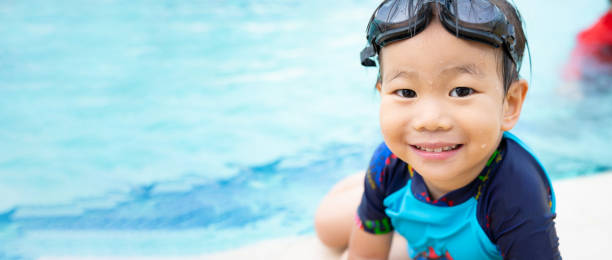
column 334, row 218
column 326, row 227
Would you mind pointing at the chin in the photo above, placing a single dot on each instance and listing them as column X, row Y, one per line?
column 441, row 173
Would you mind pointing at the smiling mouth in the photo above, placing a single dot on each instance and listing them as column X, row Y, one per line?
column 438, row 149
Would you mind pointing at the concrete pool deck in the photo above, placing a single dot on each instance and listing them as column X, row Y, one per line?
column 583, row 225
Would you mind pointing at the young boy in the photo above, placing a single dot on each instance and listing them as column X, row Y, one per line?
column 448, row 177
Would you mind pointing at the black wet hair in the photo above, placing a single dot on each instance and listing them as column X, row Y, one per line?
column 509, row 70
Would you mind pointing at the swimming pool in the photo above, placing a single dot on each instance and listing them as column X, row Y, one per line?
column 167, row 128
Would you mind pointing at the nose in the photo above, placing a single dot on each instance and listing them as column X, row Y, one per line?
column 431, row 116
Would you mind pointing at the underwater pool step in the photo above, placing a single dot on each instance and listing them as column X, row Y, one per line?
column 582, row 223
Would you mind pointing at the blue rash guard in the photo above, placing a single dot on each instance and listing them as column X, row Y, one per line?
column 507, row 212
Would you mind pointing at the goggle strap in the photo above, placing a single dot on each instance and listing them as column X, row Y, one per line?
column 366, row 56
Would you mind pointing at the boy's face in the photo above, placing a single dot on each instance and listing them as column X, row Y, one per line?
column 442, row 105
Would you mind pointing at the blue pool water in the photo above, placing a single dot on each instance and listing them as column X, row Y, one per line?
column 177, row 128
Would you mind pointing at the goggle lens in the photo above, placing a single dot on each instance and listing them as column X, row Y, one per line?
column 475, row 11
column 397, row 11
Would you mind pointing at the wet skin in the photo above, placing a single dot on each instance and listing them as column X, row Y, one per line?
column 443, row 108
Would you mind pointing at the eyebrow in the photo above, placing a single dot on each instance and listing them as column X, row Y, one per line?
column 404, row 74
column 470, row 69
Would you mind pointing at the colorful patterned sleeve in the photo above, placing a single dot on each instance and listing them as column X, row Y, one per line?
column 520, row 209
column 371, row 216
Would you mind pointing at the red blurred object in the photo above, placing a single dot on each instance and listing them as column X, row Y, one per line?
column 593, row 51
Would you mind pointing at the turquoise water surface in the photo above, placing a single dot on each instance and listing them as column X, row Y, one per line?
column 178, row 128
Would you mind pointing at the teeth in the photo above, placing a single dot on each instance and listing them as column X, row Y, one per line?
column 436, row 150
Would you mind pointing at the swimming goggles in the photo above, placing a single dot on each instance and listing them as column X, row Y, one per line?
column 478, row 20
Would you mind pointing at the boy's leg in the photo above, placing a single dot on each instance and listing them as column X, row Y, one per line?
column 335, row 216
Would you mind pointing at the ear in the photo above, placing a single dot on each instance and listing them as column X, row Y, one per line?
column 513, row 103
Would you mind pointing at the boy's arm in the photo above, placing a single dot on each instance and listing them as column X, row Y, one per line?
column 364, row 245
column 521, row 214
column 372, row 233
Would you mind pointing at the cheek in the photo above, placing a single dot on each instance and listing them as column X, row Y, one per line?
column 393, row 120
column 482, row 123
column 385, row 117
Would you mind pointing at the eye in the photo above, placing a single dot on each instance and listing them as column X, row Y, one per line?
column 406, row 93
column 461, row 92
